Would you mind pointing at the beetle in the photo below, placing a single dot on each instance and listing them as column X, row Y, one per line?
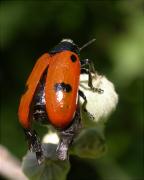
column 52, row 96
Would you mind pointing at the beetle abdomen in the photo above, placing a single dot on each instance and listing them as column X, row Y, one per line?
column 38, row 111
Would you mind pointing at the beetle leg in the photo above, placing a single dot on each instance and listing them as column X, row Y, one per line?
column 62, row 149
column 67, row 136
column 81, row 94
column 88, row 71
column 34, row 144
column 90, row 64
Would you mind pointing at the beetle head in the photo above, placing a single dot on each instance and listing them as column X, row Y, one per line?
column 65, row 44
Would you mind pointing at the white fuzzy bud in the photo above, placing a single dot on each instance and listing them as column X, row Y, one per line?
column 99, row 105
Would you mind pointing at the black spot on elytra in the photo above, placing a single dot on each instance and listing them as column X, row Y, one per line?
column 63, row 87
column 73, row 58
column 67, row 87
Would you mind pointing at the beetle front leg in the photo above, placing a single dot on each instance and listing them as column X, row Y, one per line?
column 89, row 71
column 34, row 144
column 81, row 94
column 90, row 64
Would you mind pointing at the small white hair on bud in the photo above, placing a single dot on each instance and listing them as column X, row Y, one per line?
column 99, row 105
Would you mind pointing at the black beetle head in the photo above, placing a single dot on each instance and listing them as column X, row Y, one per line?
column 65, row 44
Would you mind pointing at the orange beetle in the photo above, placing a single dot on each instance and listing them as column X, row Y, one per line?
column 52, row 95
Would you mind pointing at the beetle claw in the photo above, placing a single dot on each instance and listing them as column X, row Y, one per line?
column 98, row 90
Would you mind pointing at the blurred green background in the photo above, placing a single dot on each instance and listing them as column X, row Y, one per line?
column 28, row 29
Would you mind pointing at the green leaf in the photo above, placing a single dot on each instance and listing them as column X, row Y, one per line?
column 50, row 169
column 89, row 144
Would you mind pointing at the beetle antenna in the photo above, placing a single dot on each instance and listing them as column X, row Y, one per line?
column 87, row 44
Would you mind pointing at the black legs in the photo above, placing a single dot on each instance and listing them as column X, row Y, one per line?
column 81, row 94
column 67, row 136
column 34, row 144
column 89, row 71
